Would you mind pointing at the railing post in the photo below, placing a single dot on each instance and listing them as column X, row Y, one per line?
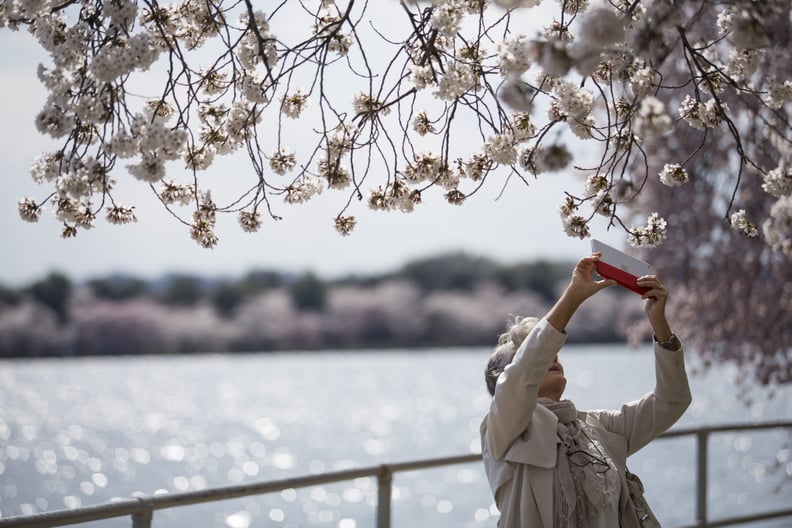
column 142, row 518
column 384, row 483
column 701, row 477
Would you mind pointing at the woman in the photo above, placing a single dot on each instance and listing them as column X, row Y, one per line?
column 550, row 465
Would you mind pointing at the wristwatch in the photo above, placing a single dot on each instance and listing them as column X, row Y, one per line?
column 673, row 343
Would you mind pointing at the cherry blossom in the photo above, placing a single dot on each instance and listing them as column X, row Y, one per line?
column 393, row 104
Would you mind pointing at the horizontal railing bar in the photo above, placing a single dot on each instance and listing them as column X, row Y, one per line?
column 124, row 507
column 165, row 501
column 686, row 431
column 731, row 521
column 160, row 502
column 117, row 508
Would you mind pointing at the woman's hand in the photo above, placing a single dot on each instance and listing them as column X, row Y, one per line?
column 581, row 287
column 656, row 298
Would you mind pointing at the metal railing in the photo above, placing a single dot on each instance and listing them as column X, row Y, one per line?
column 141, row 509
column 702, row 435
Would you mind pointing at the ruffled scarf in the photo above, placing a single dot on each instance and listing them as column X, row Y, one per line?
column 586, row 478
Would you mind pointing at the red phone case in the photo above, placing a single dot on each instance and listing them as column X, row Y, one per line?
column 622, row 277
column 621, row 267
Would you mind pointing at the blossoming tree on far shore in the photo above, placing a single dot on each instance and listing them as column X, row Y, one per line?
column 675, row 113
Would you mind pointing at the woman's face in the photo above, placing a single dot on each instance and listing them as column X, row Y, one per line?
column 553, row 383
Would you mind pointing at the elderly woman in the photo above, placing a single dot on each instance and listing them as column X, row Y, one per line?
column 551, row 465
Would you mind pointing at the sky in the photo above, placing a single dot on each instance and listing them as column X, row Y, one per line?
column 520, row 225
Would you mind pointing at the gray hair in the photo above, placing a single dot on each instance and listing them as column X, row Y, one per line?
column 509, row 341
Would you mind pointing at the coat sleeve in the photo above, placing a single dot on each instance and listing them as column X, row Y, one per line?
column 643, row 420
column 515, row 399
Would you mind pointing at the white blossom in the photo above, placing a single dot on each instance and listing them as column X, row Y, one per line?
column 603, row 203
column 123, row 144
column 673, row 175
column 337, row 177
column 527, row 159
column 582, row 127
column 651, row 235
column 340, row 141
column 241, row 118
column 214, row 82
column 458, row 79
column 447, row 17
column 204, row 218
column 512, row 4
column 282, row 160
column 702, row 115
column 52, row 120
column 250, row 221
column 743, row 63
column 641, row 79
column 199, row 158
column 422, row 124
column 601, row 27
column 575, row 225
column 522, row 127
column 514, row 55
column 172, row 193
column 553, row 56
column 202, row 232
column 29, row 210
column 652, row 120
column 574, row 7
column 150, row 169
column 293, row 105
column 46, row 167
column 156, row 136
column 328, row 26
column 254, row 89
column 777, row 228
column 477, row 166
column 122, row 56
column 121, row 215
column 422, row 76
column 740, row 222
column 778, row 181
column 303, row 190
column 366, row 104
column 426, row 167
column 78, row 213
column 516, row 94
column 500, row 148
column 777, row 94
column 573, row 101
column 344, row 224
column 397, row 195
column 552, row 158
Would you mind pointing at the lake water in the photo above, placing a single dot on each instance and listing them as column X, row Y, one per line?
column 79, row 432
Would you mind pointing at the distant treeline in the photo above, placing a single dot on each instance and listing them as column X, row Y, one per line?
column 448, row 300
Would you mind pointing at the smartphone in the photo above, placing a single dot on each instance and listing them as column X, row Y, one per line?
column 621, row 267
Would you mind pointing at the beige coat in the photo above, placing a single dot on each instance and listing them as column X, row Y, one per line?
column 519, row 440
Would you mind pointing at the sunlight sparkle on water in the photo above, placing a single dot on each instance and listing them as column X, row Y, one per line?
column 277, row 515
column 184, row 426
column 241, row 519
column 282, row 459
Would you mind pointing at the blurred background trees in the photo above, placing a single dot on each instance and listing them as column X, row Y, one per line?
column 451, row 299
